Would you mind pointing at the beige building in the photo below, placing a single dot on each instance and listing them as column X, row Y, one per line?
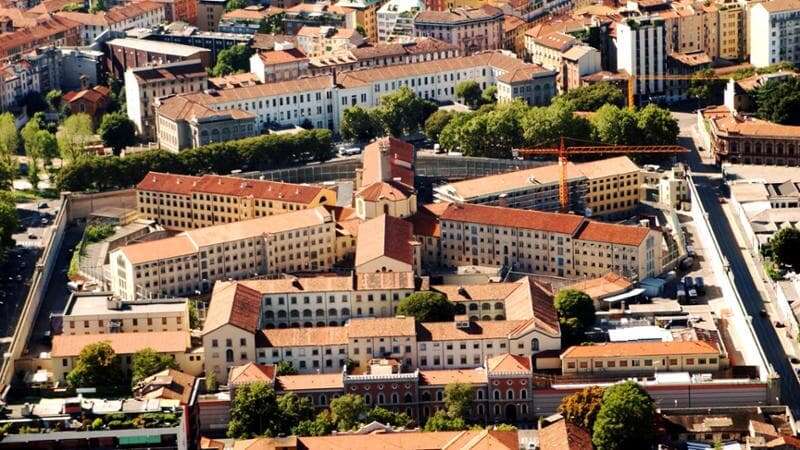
column 182, row 202
column 548, row 49
column 471, row 29
column 386, row 244
column 319, row 41
column 385, row 183
column 283, row 63
column 732, row 24
column 176, row 344
column 299, row 241
column 642, row 357
column 102, row 313
column 181, row 124
column 496, row 301
column 613, row 186
column 563, row 245
column 365, row 13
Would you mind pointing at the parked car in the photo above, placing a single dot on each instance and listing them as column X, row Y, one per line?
column 690, row 250
column 700, row 285
column 681, row 295
column 42, row 205
column 350, row 151
column 688, row 284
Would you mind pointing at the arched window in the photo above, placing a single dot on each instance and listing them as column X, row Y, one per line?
column 367, row 399
column 229, row 355
column 498, row 305
column 426, row 396
column 480, row 410
column 523, row 394
column 497, row 410
column 496, row 394
column 323, row 400
column 381, row 399
column 473, row 306
column 306, row 313
column 439, row 395
column 345, row 312
column 408, row 398
column 535, row 345
column 524, row 410
column 294, row 313
column 510, row 394
column 480, row 394
column 386, row 208
column 332, row 312
column 320, row 312
column 486, row 306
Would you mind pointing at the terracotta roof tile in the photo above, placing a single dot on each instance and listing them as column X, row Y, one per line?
column 171, row 247
column 426, row 219
column 384, row 236
column 304, row 337
column 384, row 327
column 612, row 233
column 324, row 381
column 388, row 159
column 476, row 292
column 564, row 435
column 382, row 190
column 122, row 343
column 619, row 349
column 508, row 363
column 282, row 56
column 458, row 15
column 600, row 287
column 445, row 377
column 251, row 372
column 447, row 331
column 168, row 384
column 233, row 304
column 511, row 217
column 415, row 440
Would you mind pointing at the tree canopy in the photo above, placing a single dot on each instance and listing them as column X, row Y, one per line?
column 96, row 366
column 441, row 421
column 347, row 411
column 73, row 136
column 9, row 137
column 285, row 368
column 117, row 131
column 147, row 362
column 581, row 408
column 403, row 112
column 436, row 123
column 235, row 4
column 9, row 220
column 360, row 124
column 576, row 313
column 427, row 306
column 469, row 91
column 779, row 101
column 626, row 418
column 592, row 97
column 458, row 399
column 785, row 247
column 232, row 59
column 254, row 411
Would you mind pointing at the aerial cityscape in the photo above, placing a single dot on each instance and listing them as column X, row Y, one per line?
column 400, row 224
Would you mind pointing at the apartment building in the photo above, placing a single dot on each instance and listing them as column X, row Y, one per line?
column 774, row 31
column 209, row 13
column 641, row 51
column 384, row 54
column 396, row 19
column 365, row 13
column 185, row 34
column 144, row 85
column 177, row 344
column 316, row 14
column 143, row 14
column 732, row 23
column 471, row 29
column 643, row 357
column 322, row 99
column 563, row 245
column 247, row 20
column 182, row 202
column 126, row 53
column 318, row 41
column 578, row 62
column 613, row 186
column 548, row 49
column 299, row 241
column 103, row 313
column 283, row 63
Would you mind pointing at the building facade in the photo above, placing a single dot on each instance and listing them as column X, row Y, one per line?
column 641, row 52
column 774, row 31
column 471, row 29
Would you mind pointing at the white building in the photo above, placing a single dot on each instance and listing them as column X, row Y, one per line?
column 774, row 32
column 641, row 51
column 145, row 14
column 396, row 19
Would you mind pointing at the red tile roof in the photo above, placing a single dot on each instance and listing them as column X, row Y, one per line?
column 612, row 233
column 619, row 349
column 508, row 363
column 564, row 435
column 235, row 304
column 384, row 236
column 445, row 377
column 512, row 217
column 122, row 343
column 282, row 56
column 252, row 372
column 426, row 219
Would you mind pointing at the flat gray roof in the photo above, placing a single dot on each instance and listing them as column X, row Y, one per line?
column 87, row 305
column 164, row 48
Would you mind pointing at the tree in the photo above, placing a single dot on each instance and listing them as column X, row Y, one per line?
column 254, row 411
column 147, row 361
column 657, row 126
column 386, row 417
column 779, row 101
column 450, row 136
column 441, row 421
column 9, row 137
column 616, row 126
column 285, row 368
column 436, row 123
column 592, row 97
column 9, row 221
column 626, row 418
column 293, row 410
column 458, row 399
column 53, row 98
column 8, row 170
column 547, row 125
column 489, row 95
column 427, row 306
column 347, row 411
column 73, row 136
column 232, row 60
column 117, row 131
column 211, row 382
column 469, row 91
column 235, row 4
column 96, row 366
column 785, row 247
column 322, row 425
column 705, row 85
column 194, row 315
column 359, row 124
column 576, row 313
column 402, row 112
column 97, row 6
column 493, row 134
column 45, row 146
column 581, row 408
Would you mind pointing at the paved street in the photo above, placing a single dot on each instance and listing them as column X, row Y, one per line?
column 709, row 182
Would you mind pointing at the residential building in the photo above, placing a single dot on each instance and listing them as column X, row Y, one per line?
column 773, row 32
column 322, row 102
column 209, row 12
column 92, row 101
column 182, row 124
column 514, row 30
column 643, row 357
column 144, row 85
column 143, row 14
column 179, row 10
column 47, row 30
column 396, row 19
column 471, row 29
column 641, row 52
column 612, row 186
column 364, row 13
column 548, row 50
column 282, row 64
column 732, row 22
column 576, row 63
column 563, row 245
column 185, row 34
column 386, row 54
column 386, row 244
column 177, row 344
column 668, row 187
column 182, row 202
column 500, row 440
column 125, row 53
column 299, row 241
column 319, row 14
column 319, row 41
column 247, row 20
column 103, row 313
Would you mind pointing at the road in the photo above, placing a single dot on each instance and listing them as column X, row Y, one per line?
column 708, row 181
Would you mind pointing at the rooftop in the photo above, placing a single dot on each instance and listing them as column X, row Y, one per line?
column 384, row 236
column 622, row 349
column 97, row 303
column 162, row 48
column 122, row 343
column 458, row 15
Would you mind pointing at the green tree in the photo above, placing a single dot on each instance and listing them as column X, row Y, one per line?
column 441, row 421
column 545, row 126
column 626, row 418
column 386, row 417
column 458, row 399
column 576, row 313
column 254, row 411
column 592, row 97
column 450, row 136
column 469, row 91
column 359, row 124
column 436, row 123
column 235, row 4
column 705, row 85
column 9, row 221
column 785, row 247
column 403, row 112
column 779, row 101
column 285, row 368
column 616, row 126
column 322, row 425
column 73, row 136
column 581, row 408
column 292, row 411
column 427, row 306
column 147, row 361
column 8, row 170
column 194, row 315
column 347, row 411
column 97, row 6
column 117, row 131
column 96, row 366
column 233, row 59
column 493, row 134
column 9, row 137
column 211, row 382
column 30, row 129
column 53, row 98
column 657, row 126
column 45, row 146
column 489, row 95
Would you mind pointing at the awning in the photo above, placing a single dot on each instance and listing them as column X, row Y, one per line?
column 625, row 295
